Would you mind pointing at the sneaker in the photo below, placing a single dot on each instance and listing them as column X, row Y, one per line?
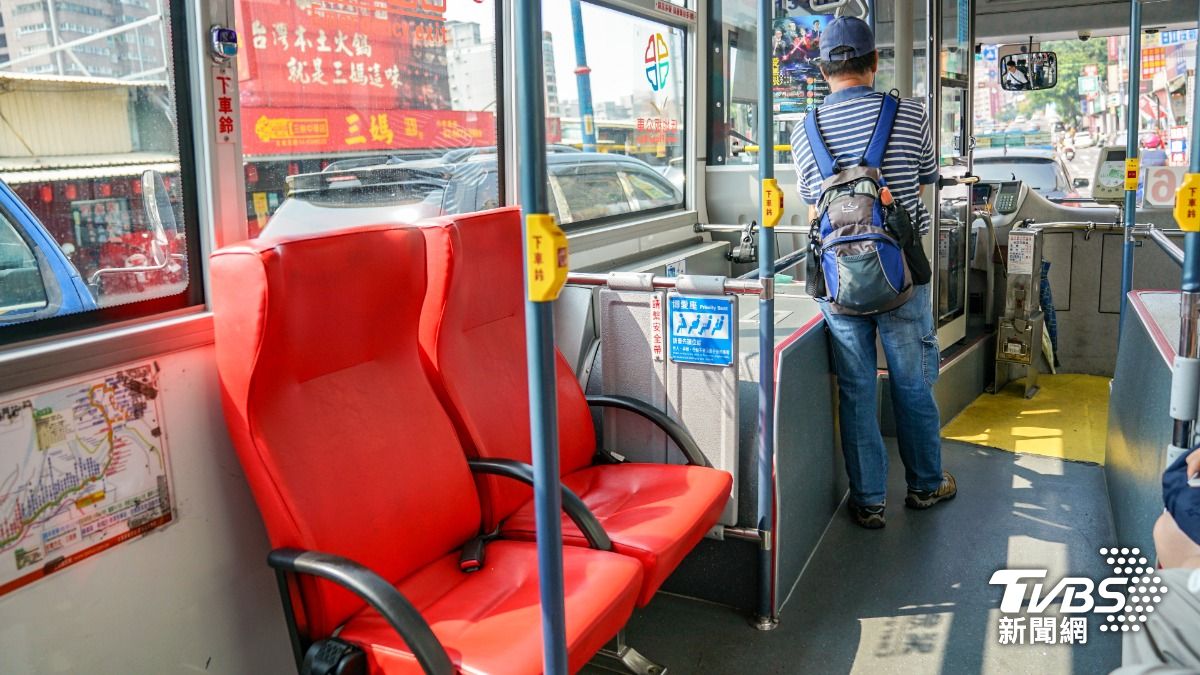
column 923, row 499
column 870, row 516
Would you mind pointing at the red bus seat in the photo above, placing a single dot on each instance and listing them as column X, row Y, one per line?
column 348, row 451
column 473, row 332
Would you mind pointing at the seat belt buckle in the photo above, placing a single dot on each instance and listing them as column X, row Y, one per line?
column 471, row 559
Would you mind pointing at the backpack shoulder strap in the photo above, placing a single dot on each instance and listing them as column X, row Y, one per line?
column 817, row 144
column 873, row 157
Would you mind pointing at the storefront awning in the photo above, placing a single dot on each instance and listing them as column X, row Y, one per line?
column 19, row 172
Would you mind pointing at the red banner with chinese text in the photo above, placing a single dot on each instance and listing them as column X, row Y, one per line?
column 374, row 54
column 279, row 130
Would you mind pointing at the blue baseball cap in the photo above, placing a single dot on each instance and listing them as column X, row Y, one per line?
column 846, row 38
column 1182, row 500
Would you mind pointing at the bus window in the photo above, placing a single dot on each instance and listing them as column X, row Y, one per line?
column 1032, row 134
column 332, row 100
column 85, row 120
column 637, row 87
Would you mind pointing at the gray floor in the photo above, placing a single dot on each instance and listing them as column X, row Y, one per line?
column 914, row 597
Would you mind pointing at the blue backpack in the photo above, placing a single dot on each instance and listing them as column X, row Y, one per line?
column 853, row 249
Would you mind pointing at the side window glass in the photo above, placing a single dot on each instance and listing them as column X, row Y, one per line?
column 632, row 102
column 593, row 194
column 85, row 120
column 364, row 112
column 650, row 191
column 21, row 288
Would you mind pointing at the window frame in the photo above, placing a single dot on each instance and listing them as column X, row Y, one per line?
column 18, row 340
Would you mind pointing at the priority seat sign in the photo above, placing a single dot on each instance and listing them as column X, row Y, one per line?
column 701, row 330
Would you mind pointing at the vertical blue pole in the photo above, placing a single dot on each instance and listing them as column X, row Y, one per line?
column 1132, row 118
column 583, row 80
column 766, row 318
column 539, row 337
column 1189, row 300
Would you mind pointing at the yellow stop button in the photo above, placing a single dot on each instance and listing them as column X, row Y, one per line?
column 772, row 203
column 546, row 257
column 1187, row 203
column 1131, row 174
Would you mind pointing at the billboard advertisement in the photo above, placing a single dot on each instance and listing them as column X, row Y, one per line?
column 355, row 75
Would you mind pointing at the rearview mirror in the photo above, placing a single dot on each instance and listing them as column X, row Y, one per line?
column 1029, row 72
column 1081, row 182
column 160, row 214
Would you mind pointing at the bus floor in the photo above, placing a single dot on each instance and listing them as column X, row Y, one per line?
column 914, row 597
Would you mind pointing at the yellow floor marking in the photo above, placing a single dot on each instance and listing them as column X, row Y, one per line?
column 1068, row 418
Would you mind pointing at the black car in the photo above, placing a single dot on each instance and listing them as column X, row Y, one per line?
column 584, row 186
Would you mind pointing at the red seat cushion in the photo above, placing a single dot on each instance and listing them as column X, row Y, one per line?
column 489, row 621
column 653, row 512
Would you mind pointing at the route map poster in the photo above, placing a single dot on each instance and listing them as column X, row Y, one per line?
column 83, row 468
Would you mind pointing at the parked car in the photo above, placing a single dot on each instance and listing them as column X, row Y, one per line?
column 583, row 186
column 1083, row 139
column 1042, row 170
column 37, row 280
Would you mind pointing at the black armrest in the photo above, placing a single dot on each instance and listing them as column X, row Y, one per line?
column 381, row 595
column 673, row 429
column 580, row 514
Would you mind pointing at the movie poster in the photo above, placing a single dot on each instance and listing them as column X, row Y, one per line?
column 798, row 85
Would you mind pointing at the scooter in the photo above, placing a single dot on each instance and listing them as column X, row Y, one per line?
column 1067, row 148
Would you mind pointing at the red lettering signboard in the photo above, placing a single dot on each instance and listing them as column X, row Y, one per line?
column 391, row 57
column 284, row 130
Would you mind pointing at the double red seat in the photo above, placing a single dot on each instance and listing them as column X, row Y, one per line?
column 344, row 376
column 349, row 452
column 473, row 331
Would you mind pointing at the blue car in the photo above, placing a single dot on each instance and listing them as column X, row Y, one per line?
column 37, row 280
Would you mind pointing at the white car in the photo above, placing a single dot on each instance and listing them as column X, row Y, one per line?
column 1083, row 139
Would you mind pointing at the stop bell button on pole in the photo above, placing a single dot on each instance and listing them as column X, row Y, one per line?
column 546, row 257
column 772, row 199
column 1131, row 174
column 1187, row 203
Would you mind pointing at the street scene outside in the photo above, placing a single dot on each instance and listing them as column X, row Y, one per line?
column 1086, row 110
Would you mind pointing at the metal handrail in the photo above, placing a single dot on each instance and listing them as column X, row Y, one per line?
column 1164, row 242
column 717, row 227
column 735, row 286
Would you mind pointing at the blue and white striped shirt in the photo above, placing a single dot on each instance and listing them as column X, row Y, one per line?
column 846, row 120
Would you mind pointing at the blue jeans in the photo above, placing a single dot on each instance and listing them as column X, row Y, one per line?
column 910, row 345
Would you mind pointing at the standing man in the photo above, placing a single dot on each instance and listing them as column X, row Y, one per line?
column 846, row 119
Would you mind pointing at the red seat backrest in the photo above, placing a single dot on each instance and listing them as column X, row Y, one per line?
column 343, row 440
column 473, row 331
